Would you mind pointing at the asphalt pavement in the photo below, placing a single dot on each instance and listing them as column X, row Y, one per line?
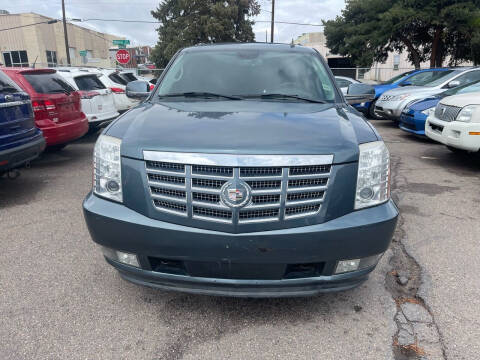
column 59, row 299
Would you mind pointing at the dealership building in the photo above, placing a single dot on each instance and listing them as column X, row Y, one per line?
column 44, row 43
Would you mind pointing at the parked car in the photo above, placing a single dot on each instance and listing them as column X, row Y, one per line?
column 391, row 103
column 97, row 100
column 409, row 78
column 265, row 183
column 56, row 105
column 344, row 82
column 20, row 140
column 414, row 116
column 130, row 76
column 111, row 79
column 456, row 123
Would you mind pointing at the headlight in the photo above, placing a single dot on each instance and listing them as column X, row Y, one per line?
column 466, row 113
column 373, row 181
column 107, row 170
column 429, row 111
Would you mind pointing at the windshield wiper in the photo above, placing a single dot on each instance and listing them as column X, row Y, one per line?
column 201, row 94
column 283, row 96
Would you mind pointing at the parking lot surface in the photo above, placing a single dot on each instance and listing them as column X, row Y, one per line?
column 59, row 299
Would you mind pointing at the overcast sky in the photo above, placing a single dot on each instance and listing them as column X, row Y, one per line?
column 300, row 11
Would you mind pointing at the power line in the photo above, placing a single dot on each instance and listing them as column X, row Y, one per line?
column 53, row 21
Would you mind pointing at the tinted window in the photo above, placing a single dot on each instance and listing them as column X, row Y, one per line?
column 471, row 87
column 48, row 83
column 249, row 72
column 468, row 77
column 398, row 77
column 7, row 85
column 117, row 79
column 425, row 77
column 129, row 77
column 89, row 82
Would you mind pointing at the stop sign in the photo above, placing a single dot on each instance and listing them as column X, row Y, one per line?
column 123, row 56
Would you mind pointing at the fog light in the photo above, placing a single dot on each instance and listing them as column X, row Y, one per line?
column 120, row 256
column 344, row 266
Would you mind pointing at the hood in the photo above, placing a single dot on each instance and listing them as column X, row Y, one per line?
column 380, row 89
column 425, row 104
column 410, row 90
column 242, row 127
column 462, row 99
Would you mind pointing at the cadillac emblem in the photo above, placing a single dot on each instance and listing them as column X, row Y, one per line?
column 235, row 193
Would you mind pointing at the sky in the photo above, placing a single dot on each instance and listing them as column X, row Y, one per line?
column 299, row 11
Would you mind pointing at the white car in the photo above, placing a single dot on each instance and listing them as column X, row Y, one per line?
column 456, row 122
column 391, row 104
column 111, row 78
column 344, row 82
column 96, row 99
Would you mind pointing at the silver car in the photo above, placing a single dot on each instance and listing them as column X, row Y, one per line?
column 391, row 104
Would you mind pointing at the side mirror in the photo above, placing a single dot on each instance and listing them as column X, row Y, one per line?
column 138, row 89
column 405, row 83
column 453, row 84
column 360, row 93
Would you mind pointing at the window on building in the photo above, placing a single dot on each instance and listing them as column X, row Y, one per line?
column 396, row 62
column 15, row 58
column 51, row 58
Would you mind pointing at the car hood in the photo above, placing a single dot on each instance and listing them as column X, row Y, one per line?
column 462, row 99
column 380, row 89
column 243, row 127
column 412, row 90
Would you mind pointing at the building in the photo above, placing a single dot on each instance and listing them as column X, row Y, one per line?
column 44, row 44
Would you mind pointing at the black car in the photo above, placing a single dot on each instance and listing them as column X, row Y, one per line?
column 245, row 172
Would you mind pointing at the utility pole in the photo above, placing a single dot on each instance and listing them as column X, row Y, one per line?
column 66, row 34
column 273, row 20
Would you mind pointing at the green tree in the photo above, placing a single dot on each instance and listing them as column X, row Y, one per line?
column 190, row 22
column 426, row 29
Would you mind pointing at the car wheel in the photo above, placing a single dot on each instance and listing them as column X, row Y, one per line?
column 55, row 148
column 371, row 111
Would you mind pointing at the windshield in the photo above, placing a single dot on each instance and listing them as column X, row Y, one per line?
column 447, row 75
column 249, row 73
column 398, row 77
column 472, row 87
column 426, row 77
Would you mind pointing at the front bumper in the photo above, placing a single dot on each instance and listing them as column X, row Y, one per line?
column 390, row 109
column 17, row 156
column 456, row 134
column 413, row 122
column 245, row 264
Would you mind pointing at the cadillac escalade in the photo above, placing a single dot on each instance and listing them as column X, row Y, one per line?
column 244, row 172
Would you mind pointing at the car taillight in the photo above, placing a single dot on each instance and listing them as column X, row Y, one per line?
column 88, row 94
column 49, row 105
column 38, row 106
column 151, row 87
column 117, row 90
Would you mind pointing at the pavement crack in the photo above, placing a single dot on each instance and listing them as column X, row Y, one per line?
column 418, row 335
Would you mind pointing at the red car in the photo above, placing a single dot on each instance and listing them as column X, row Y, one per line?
column 55, row 103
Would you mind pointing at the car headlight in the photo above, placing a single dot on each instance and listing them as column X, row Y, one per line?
column 428, row 111
column 373, row 180
column 466, row 113
column 107, row 169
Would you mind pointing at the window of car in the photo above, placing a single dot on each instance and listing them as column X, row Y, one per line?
column 425, row 77
column 398, row 77
column 249, row 72
column 342, row 82
column 116, row 78
column 447, row 75
column 89, row 82
column 7, row 85
column 463, row 89
column 128, row 76
column 48, row 83
column 468, row 77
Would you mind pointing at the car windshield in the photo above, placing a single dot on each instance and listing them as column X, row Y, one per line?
column 249, row 73
column 398, row 77
column 426, row 77
column 447, row 75
column 472, row 87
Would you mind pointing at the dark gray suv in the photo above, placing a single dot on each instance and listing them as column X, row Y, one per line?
column 245, row 172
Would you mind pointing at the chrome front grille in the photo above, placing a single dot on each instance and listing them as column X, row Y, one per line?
column 290, row 187
column 446, row 112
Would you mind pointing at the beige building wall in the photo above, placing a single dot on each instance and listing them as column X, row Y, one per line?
column 37, row 39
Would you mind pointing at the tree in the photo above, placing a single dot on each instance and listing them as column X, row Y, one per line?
column 426, row 29
column 190, row 22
